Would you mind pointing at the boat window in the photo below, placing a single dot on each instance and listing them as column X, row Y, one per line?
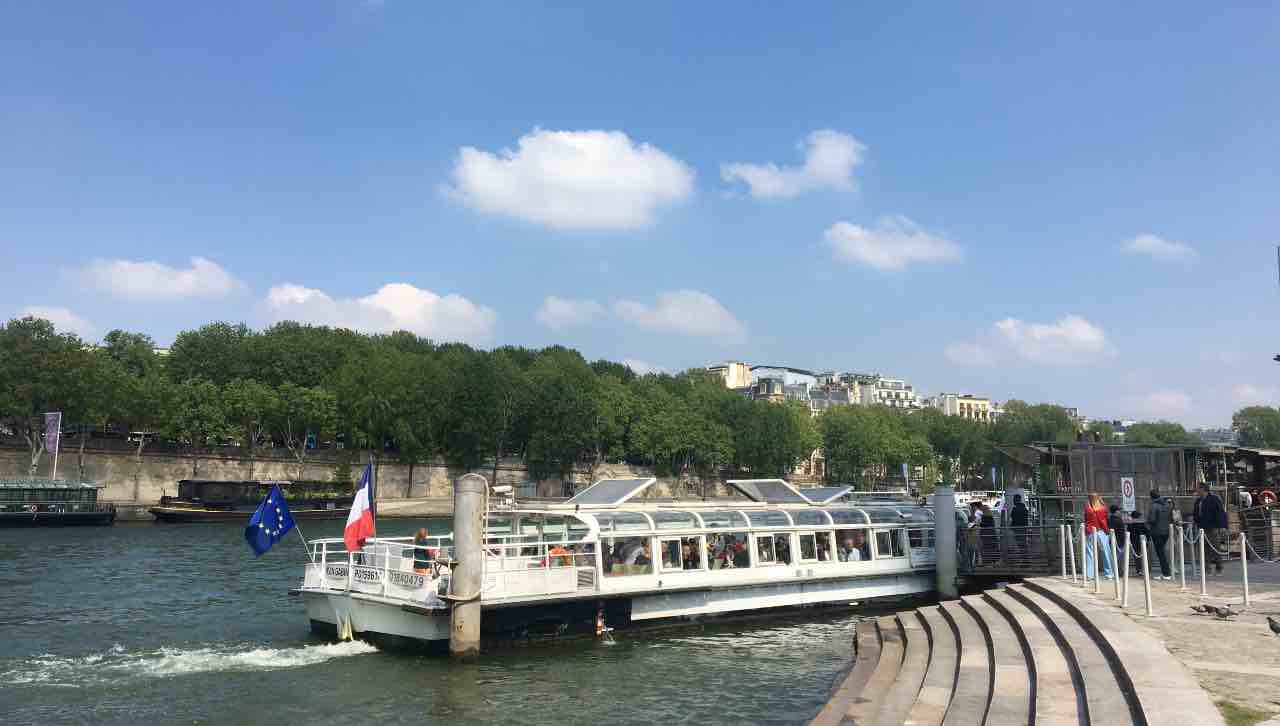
column 812, row 518
column 884, row 515
column 674, row 520
column 728, row 550
column 825, row 546
column 627, row 556
column 774, row 518
column 782, row 548
column 853, row 545
column 764, row 549
column 716, row 520
column 498, row 525
column 920, row 537
column 623, row 522
column 848, row 516
column 808, row 547
column 578, row 530
column 889, row 544
column 682, row 553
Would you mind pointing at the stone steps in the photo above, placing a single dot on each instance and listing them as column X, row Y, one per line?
column 1040, row 653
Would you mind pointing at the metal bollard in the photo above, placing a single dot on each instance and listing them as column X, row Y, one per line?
column 1062, row 547
column 1146, row 575
column 1124, row 602
column 1244, row 566
column 1084, row 573
column 1097, row 566
column 1071, row 553
column 1182, row 558
column 1204, row 587
column 1114, row 564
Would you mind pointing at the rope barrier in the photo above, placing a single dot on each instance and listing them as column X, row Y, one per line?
column 1260, row 558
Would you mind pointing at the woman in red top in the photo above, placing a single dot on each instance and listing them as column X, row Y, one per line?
column 1096, row 530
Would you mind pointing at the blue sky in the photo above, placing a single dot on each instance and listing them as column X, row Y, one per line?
column 1073, row 204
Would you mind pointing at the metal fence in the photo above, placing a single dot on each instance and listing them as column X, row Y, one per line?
column 1014, row 551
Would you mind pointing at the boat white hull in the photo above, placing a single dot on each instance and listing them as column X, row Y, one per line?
column 776, row 595
column 355, row 615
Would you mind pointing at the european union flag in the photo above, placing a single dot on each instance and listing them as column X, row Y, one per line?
column 270, row 523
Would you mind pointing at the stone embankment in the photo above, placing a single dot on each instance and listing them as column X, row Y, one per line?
column 1040, row 652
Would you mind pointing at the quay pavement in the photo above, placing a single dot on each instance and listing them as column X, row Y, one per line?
column 1237, row 660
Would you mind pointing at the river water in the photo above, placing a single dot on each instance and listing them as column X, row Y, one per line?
column 159, row 624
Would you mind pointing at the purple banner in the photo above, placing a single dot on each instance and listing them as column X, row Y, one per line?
column 52, row 431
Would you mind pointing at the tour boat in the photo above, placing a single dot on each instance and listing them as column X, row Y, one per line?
column 49, row 503
column 203, row 500
column 604, row 560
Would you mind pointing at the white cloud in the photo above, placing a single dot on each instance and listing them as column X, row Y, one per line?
column 970, row 354
column 572, row 180
column 1070, row 341
column 641, row 367
column 63, row 319
column 559, row 313
column 1248, row 394
column 688, row 312
column 892, row 244
column 829, row 160
column 150, row 280
column 1168, row 404
column 394, row 306
column 1159, row 248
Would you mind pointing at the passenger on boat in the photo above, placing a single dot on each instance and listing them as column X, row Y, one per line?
column 559, row 556
column 855, row 546
column 421, row 555
column 689, row 553
column 765, row 553
column 782, row 546
column 823, row 554
column 645, row 557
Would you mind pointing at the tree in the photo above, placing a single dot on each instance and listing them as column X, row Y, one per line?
column 1257, row 426
column 563, row 408
column 196, row 417
column 218, row 353
column 1102, row 432
column 299, row 413
column 135, row 352
column 40, row 371
column 1158, row 433
column 1023, row 424
column 249, row 406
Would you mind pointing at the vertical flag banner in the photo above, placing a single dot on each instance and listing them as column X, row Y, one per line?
column 360, row 524
column 270, row 523
column 52, row 431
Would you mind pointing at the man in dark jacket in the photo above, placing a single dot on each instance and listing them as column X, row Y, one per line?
column 1211, row 518
column 1158, row 518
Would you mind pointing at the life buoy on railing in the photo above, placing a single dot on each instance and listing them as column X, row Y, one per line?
column 1266, row 496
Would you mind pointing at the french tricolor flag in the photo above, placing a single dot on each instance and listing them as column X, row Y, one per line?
column 360, row 522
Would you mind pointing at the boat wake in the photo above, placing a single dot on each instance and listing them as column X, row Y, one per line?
column 118, row 664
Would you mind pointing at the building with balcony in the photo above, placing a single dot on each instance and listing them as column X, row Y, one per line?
column 964, row 405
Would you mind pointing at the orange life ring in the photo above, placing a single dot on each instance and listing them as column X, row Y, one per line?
column 1266, row 496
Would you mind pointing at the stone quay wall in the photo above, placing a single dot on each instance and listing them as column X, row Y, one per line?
column 128, row 479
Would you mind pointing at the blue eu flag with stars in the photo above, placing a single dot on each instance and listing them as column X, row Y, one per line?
column 270, row 523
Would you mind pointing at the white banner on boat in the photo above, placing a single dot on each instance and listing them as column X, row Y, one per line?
column 336, row 576
column 366, row 579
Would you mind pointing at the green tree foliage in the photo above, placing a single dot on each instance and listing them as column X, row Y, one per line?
column 249, row 406
column 300, row 413
column 1257, row 426
column 218, row 353
column 1102, row 432
column 196, row 417
column 1023, row 423
column 40, row 371
column 1156, row 433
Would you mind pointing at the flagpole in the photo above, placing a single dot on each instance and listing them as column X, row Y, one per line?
column 304, row 541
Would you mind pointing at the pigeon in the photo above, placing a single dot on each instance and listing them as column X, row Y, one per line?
column 1202, row 609
column 1274, row 624
column 1224, row 612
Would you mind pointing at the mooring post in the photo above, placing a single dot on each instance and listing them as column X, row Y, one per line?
column 1204, row 586
column 1084, row 560
column 1244, row 565
column 1146, row 575
column 1124, row 597
column 1114, row 562
column 468, row 524
column 944, row 523
column 1071, row 553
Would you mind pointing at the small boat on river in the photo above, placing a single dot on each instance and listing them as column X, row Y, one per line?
column 205, row 500
column 604, row 560
column 52, row 503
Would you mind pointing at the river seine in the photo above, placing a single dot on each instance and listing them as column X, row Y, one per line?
column 160, row 624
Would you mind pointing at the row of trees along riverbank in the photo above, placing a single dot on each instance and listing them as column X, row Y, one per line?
column 411, row 399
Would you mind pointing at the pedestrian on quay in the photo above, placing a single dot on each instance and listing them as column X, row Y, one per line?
column 1211, row 518
column 1159, row 516
column 1020, row 519
column 1096, row 530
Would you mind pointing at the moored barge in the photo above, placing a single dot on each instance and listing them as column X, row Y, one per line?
column 599, row 562
column 205, row 500
column 52, row 503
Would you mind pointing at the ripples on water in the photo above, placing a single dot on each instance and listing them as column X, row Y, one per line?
column 164, row 624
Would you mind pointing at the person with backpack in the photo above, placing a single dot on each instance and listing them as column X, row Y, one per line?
column 1159, row 517
column 1211, row 518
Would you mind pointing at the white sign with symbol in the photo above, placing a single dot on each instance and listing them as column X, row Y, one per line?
column 1127, row 493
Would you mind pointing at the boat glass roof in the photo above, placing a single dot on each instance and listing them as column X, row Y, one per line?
column 880, row 515
column 769, row 518
column 675, row 520
column 726, row 519
column 812, row 516
column 773, row 491
column 824, row 495
column 848, row 516
column 610, row 492
column 623, row 522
